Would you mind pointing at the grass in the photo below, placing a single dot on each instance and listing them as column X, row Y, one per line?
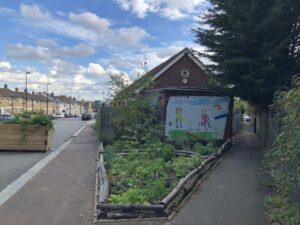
column 187, row 135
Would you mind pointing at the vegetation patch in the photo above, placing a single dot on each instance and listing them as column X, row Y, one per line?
column 187, row 135
column 141, row 163
column 147, row 177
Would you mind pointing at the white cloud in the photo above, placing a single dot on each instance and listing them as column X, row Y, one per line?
column 136, row 73
column 131, row 61
column 111, row 70
column 171, row 9
column 95, row 69
column 81, row 79
column 79, row 50
column 89, row 81
column 34, row 12
column 60, row 84
column 16, row 78
column 90, row 21
column 130, row 36
column 173, row 13
column 44, row 54
column 87, row 27
column 27, row 52
column 46, row 43
column 4, row 66
column 4, row 10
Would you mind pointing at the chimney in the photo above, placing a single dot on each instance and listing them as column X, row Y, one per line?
column 33, row 92
column 16, row 89
column 5, row 86
column 52, row 93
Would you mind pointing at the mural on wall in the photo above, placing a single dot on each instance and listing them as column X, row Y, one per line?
column 196, row 117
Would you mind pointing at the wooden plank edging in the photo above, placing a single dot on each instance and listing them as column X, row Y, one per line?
column 103, row 178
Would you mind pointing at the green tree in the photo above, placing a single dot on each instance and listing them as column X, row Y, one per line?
column 135, row 115
column 254, row 44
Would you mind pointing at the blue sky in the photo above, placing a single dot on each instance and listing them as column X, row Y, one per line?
column 76, row 45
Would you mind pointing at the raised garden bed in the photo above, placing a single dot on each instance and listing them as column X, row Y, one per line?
column 32, row 138
column 151, row 192
column 31, row 134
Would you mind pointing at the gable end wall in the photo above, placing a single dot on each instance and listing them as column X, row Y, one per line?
column 172, row 78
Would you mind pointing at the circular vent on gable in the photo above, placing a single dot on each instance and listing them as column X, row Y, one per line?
column 185, row 73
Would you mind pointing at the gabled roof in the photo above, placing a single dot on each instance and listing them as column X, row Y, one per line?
column 68, row 100
column 5, row 92
column 157, row 71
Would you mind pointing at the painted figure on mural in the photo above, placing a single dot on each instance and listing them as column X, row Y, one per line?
column 204, row 122
column 179, row 117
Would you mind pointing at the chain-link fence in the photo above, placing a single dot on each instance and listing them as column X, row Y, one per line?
column 236, row 121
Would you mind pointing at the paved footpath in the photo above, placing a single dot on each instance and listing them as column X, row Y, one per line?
column 62, row 193
column 233, row 193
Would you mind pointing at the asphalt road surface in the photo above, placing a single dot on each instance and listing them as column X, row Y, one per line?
column 14, row 164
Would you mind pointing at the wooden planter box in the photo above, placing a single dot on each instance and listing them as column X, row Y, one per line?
column 36, row 138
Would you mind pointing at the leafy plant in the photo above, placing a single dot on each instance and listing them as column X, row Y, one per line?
column 131, row 196
column 205, row 149
column 283, row 161
column 182, row 165
column 110, row 156
column 157, row 190
column 36, row 120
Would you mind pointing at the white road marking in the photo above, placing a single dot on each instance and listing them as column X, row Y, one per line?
column 11, row 189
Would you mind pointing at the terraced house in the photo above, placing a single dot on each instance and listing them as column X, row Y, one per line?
column 15, row 101
column 71, row 106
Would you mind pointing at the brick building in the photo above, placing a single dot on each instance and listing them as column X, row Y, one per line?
column 191, row 106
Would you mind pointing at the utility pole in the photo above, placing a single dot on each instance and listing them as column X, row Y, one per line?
column 26, row 91
column 79, row 105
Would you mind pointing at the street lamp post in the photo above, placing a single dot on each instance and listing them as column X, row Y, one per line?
column 26, row 91
column 47, row 97
column 79, row 105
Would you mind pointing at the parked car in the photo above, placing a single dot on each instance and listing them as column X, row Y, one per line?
column 86, row 116
column 58, row 116
column 246, row 117
column 51, row 117
column 94, row 114
column 25, row 115
column 6, row 117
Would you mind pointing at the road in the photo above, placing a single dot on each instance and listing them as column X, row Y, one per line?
column 14, row 164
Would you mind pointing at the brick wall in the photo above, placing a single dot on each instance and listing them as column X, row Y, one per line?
column 172, row 77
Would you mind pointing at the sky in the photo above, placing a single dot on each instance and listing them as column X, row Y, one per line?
column 76, row 45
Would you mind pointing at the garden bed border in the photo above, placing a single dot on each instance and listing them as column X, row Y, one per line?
column 165, row 207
